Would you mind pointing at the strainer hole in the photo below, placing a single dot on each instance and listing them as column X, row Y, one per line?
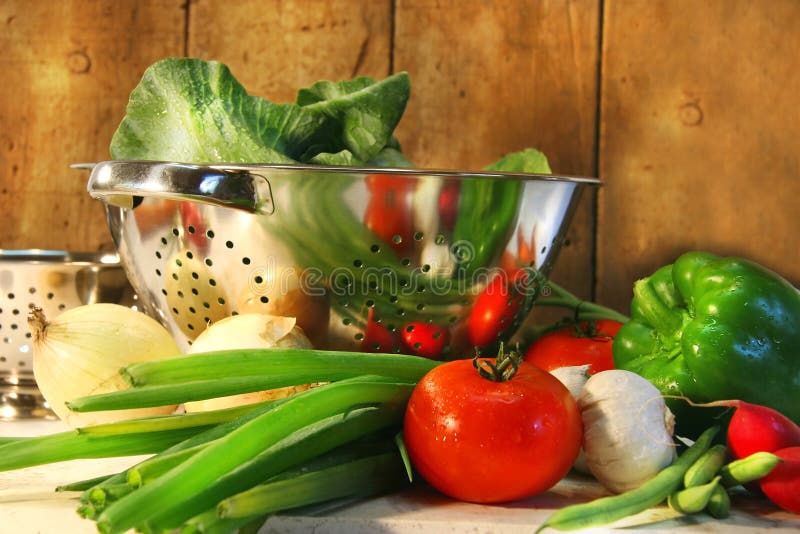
column 440, row 239
column 210, row 234
column 264, row 299
column 410, row 328
column 406, row 262
column 158, row 272
column 375, row 249
column 14, row 326
column 418, row 236
column 206, row 305
column 15, row 311
column 544, row 249
column 158, row 254
column 62, row 307
column 2, row 359
column 359, row 336
column 21, row 363
column 31, row 290
column 400, row 311
column 209, row 262
column 163, row 240
column 178, row 262
column 397, row 239
column 175, row 311
column 258, row 279
column 189, row 254
column 212, row 282
column 393, row 299
column 50, row 296
column 175, row 232
column 190, row 229
column 164, row 292
column 10, row 296
column 420, row 306
column 221, row 301
column 346, row 321
column 370, row 303
column 190, row 326
column 452, row 319
column 246, row 260
column 195, row 276
column 192, row 310
column 229, row 244
column 417, row 345
column 174, row 276
column 426, row 268
column 195, row 291
column 180, row 294
column 358, row 263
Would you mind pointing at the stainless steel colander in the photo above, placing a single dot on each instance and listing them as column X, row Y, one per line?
column 54, row 281
column 358, row 255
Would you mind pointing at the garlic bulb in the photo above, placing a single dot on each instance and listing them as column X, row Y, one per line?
column 248, row 331
column 574, row 378
column 627, row 429
column 81, row 351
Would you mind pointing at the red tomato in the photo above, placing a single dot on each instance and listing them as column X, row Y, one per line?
column 583, row 344
column 486, row 441
column 388, row 212
column 494, row 311
column 378, row 338
column 426, row 339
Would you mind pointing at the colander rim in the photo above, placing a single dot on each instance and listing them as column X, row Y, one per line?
column 37, row 256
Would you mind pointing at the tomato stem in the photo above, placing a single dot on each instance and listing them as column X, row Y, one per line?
column 502, row 369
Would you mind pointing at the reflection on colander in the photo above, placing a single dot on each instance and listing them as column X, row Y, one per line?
column 347, row 251
column 54, row 281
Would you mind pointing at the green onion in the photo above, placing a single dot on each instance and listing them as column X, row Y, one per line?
column 71, row 445
column 82, row 485
column 363, row 476
column 226, row 454
column 300, row 446
column 284, row 367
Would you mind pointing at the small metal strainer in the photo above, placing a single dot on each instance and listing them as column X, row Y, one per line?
column 54, row 281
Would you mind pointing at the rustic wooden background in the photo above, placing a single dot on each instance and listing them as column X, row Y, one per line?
column 687, row 110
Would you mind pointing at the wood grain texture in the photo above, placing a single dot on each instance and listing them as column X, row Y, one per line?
column 700, row 136
column 275, row 47
column 492, row 77
column 68, row 68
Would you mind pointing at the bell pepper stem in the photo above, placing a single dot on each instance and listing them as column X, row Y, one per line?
column 556, row 296
column 667, row 321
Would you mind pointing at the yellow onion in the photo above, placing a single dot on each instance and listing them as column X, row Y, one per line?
column 249, row 331
column 81, row 351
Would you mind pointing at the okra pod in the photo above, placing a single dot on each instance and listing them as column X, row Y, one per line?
column 609, row 509
column 692, row 499
column 719, row 505
column 706, row 467
column 748, row 469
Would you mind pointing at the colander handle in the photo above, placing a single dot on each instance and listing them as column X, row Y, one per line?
column 124, row 183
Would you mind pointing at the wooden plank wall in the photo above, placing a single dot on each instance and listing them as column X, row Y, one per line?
column 687, row 110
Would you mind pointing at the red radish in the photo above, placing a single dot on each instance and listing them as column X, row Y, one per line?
column 782, row 484
column 755, row 428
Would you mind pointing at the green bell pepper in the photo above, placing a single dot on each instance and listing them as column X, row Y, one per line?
column 711, row 328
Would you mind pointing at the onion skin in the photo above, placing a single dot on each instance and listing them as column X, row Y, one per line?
column 249, row 331
column 81, row 351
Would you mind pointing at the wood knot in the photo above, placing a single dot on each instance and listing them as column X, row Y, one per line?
column 690, row 114
column 78, row 62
